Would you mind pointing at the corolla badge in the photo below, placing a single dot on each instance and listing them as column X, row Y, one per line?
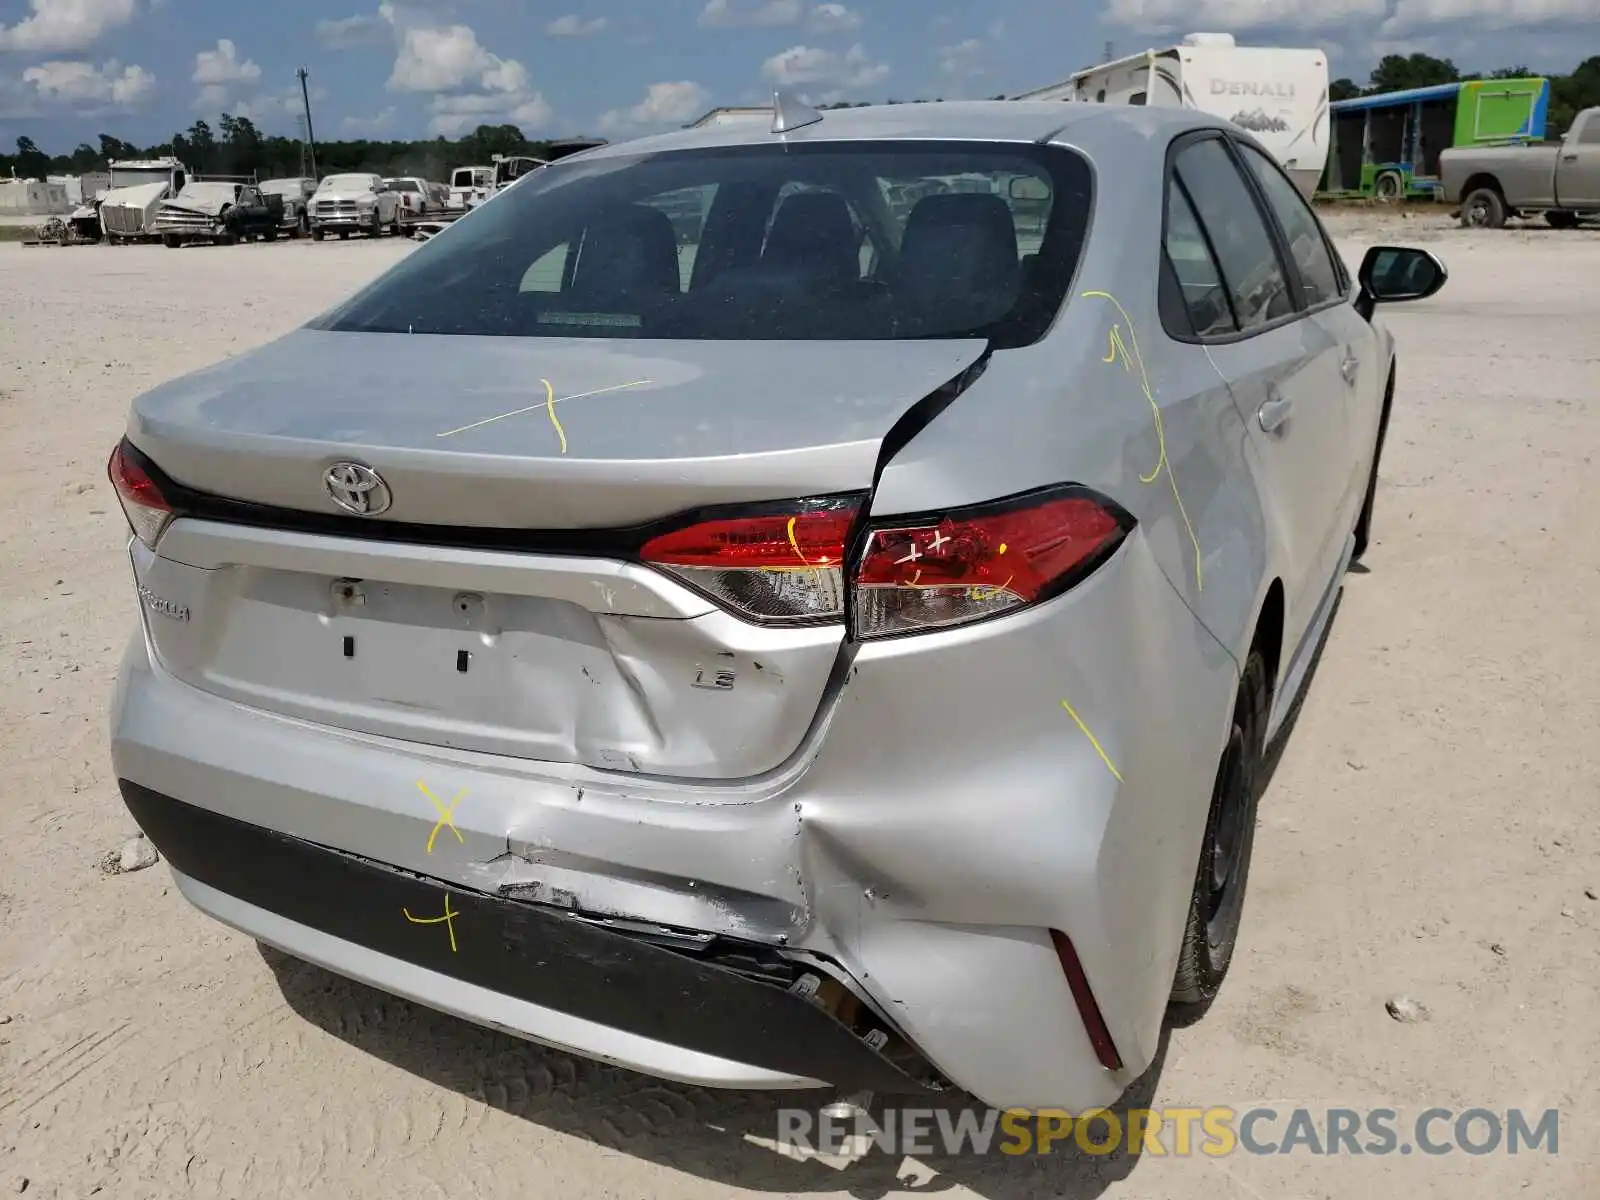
column 357, row 489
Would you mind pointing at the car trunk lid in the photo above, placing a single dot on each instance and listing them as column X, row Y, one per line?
column 456, row 628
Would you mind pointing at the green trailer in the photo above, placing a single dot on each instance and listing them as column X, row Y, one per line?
column 1387, row 146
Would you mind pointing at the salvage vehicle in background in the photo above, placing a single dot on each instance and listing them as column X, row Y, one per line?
column 354, row 203
column 1560, row 179
column 296, row 193
column 469, row 186
column 127, row 209
column 412, row 192
column 796, row 720
column 221, row 212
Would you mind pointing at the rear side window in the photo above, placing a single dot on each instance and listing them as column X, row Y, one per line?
column 1199, row 279
column 1244, row 248
column 1319, row 278
column 845, row 241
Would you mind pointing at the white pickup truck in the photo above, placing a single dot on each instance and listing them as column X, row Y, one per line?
column 1560, row 179
column 354, row 203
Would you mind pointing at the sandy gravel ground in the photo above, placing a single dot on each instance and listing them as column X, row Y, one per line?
column 1431, row 832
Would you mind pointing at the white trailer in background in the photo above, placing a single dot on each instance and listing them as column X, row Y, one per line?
column 1279, row 95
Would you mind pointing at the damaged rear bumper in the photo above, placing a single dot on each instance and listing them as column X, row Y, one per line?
column 710, row 1012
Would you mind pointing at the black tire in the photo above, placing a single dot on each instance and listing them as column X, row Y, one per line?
column 271, row 235
column 318, row 234
column 1363, row 530
column 1389, row 187
column 1216, row 907
column 344, row 235
column 170, row 241
column 1484, row 209
column 1560, row 219
column 303, row 228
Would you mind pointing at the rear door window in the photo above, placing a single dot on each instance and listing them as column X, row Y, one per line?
column 1205, row 295
column 829, row 241
column 1239, row 236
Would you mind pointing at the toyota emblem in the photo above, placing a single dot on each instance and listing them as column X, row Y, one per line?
column 357, row 489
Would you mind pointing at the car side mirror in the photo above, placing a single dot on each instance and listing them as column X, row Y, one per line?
column 1393, row 274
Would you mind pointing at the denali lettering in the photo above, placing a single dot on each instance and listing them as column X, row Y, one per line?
column 155, row 603
column 1224, row 87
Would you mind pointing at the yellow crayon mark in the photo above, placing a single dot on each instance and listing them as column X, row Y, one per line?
column 1093, row 741
column 795, row 546
column 1002, row 547
column 1119, row 349
column 448, row 920
column 550, row 407
column 447, row 814
column 988, row 593
column 545, row 404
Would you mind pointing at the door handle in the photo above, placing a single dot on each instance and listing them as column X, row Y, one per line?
column 1350, row 368
column 1572, row 157
column 1273, row 413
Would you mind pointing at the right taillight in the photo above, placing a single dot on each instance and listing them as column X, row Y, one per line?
column 963, row 566
column 147, row 510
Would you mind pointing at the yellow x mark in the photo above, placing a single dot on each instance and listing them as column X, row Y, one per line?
column 447, row 816
column 448, row 920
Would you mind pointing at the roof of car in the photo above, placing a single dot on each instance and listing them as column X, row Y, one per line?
column 977, row 120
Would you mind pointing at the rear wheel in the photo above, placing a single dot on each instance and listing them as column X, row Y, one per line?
column 1388, row 187
column 271, row 235
column 170, row 241
column 1483, row 209
column 1216, row 907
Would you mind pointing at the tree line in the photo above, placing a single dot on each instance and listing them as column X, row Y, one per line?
column 237, row 147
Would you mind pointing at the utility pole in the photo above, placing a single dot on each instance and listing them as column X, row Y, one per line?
column 311, row 137
column 300, row 126
column 1107, row 57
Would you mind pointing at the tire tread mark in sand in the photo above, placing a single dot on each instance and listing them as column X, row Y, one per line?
column 85, row 1053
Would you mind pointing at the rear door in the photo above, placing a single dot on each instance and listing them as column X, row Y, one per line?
column 1281, row 365
column 1323, row 285
column 1578, row 168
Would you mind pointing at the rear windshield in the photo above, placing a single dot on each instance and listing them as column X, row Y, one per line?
column 402, row 185
column 842, row 241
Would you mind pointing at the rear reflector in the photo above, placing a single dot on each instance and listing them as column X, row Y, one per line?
column 781, row 565
column 142, row 503
column 967, row 565
column 1088, row 1010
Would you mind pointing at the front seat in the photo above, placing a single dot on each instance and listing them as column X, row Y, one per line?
column 629, row 253
column 959, row 268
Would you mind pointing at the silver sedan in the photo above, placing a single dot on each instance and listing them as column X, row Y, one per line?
column 773, row 608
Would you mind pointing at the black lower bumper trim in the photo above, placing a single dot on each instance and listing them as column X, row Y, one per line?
column 517, row 949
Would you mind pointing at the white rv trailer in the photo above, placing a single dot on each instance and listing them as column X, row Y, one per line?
column 1279, row 95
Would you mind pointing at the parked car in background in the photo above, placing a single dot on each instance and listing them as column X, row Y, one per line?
column 469, row 186
column 220, row 212
column 354, row 203
column 863, row 674
column 412, row 193
column 296, row 193
column 1560, row 179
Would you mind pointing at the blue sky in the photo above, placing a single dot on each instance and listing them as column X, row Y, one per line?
column 141, row 69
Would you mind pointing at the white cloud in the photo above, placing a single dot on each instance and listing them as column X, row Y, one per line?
column 572, row 25
column 81, row 84
column 833, row 18
column 1169, row 16
column 66, row 24
column 818, row 18
column 854, row 68
column 366, row 126
column 454, row 114
column 442, row 58
column 962, row 58
column 722, row 14
column 348, row 32
column 222, row 65
column 1488, row 14
column 672, row 103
